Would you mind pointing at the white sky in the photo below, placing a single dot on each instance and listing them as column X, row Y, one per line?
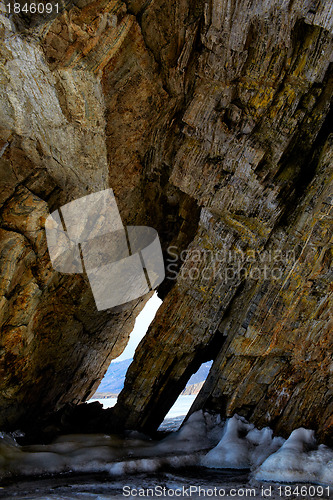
column 142, row 323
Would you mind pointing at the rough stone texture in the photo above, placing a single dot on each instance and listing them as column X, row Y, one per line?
column 55, row 345
column 276, row 363
column 256, row 155
column 78, row 99
column 211, row 122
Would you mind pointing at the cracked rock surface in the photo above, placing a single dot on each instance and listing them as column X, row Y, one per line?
column 211, row 121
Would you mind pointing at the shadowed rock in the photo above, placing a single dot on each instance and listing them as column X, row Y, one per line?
column 211, row 123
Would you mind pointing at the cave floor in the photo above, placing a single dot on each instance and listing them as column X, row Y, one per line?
column 228, row 483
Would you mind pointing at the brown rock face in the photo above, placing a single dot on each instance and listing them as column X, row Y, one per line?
column 255, row 289
column 52, row 337
column 211, row 122
column 79, row 97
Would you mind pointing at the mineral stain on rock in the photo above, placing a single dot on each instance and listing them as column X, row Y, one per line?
column 211, row 121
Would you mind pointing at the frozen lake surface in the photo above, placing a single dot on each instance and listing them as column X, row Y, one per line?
column 206, row 457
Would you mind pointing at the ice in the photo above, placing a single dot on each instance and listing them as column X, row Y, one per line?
column 232, row 451
column 242, row 446
column 300, row 459
column 204, row 439
column 201, row 431
column 264, row 444
column 100, row 453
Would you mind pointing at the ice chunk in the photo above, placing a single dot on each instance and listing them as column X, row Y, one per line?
column 233, row 450
column 198, row 433
column 232, row 444
column 299, row 460
column 242, row 446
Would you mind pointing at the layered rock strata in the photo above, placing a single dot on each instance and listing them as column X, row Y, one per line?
column 255, row 289
column 79, row 97
column 211, row 123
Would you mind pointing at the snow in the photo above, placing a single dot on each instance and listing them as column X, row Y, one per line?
column 204, row 440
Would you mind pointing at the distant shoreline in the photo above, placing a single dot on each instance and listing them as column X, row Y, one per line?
column 104, row 395
column 189, row 390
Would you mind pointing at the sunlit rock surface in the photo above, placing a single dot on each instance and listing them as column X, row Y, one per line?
column 79, row 98
column 211, row 122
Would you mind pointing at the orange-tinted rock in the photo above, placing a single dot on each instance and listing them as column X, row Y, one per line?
column 185, row 109
column 254, row 292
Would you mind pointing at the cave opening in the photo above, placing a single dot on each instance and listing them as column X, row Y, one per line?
column 179, row 411
column 113, row 380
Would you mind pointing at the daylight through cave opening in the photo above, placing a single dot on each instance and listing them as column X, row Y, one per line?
column 179, row 411
column 113, row 380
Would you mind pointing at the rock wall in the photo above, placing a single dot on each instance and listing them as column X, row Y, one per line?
column 79, row 97
column 255, row 289
column 55, row 345
column 211, row 122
